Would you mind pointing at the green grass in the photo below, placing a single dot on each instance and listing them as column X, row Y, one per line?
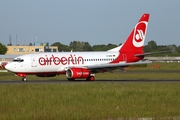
column 90, row 101
column 95, row 100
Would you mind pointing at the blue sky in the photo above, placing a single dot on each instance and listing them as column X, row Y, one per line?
column 93, row 21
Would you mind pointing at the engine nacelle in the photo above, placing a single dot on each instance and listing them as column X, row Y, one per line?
column 45, row 75
column 77, row 73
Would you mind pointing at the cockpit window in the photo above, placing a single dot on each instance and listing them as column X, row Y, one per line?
column 18, row 60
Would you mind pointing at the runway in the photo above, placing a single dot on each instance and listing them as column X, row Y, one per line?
column 84, row 81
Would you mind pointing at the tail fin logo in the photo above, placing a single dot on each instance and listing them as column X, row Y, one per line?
column 139, row 34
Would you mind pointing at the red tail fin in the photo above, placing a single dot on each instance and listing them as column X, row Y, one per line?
column 134, row 44
column 135, row 41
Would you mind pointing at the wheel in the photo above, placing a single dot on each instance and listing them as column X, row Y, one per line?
column 90, row 78
column 24, row 79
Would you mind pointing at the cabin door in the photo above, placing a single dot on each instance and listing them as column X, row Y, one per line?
column 33, row 61
column 124, row 57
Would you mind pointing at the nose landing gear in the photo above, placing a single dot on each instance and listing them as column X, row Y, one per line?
column 24, row 79
column 23, row 76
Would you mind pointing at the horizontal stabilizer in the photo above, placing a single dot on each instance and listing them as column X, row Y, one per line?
column 150, row 53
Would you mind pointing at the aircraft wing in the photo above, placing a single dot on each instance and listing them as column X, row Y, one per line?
column 110, row 67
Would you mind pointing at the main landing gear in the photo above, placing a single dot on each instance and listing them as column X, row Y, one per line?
column 90, row 78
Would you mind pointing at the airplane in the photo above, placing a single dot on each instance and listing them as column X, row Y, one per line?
column 84, row 65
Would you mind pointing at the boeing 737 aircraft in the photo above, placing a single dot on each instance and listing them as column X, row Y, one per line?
column 77, row 65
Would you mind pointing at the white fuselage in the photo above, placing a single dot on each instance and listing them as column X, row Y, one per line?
column 59, row 62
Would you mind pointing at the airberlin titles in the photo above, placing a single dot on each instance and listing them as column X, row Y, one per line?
column 71, row 59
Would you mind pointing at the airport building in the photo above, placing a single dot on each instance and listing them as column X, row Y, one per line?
column 31, row 48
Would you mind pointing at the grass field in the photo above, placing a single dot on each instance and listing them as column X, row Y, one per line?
column 95, row 100
column 90, row 101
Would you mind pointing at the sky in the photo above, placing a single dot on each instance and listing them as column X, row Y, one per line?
column 93, row 21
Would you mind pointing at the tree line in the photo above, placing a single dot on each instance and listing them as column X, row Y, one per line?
column 172, row 50
column 85, row 46
column 82, row 46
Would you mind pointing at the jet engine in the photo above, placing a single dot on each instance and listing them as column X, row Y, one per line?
column 74, row 73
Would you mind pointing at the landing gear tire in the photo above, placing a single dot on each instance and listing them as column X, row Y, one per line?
column 90, row 78
column 24, row 79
